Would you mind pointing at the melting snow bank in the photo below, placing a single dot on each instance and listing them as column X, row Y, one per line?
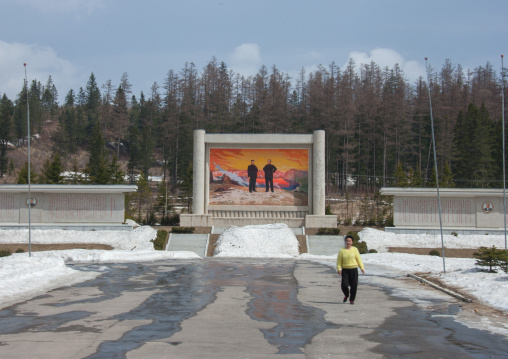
column 261, row 241
column 380, row 240
column 138, row 239
column 23, row 277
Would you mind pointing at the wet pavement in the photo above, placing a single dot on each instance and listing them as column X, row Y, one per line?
column 238, row 309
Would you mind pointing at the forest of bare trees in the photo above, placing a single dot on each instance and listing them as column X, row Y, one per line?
column 377, row 123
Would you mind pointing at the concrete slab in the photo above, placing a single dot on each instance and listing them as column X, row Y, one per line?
column 197, row 243
column 324, row 245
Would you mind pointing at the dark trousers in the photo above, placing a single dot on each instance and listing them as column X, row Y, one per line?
column 269, row 183
column 252, row 184
column 349, row 279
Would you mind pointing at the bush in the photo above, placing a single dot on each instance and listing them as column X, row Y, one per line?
column 492, row 258
column 361, row 246
column 5, row 253
column 160, row 242
column 183, row 229
column 435, row 252
column 19, row 250
column 455, row 234
column 328, row 231
column 172, row 220
column 389, row 221
column 328, row 210
column 372, row 251
column 371, row 222
column 348, row 221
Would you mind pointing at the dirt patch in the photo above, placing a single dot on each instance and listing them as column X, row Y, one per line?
column 13, row 247
column 449, row 252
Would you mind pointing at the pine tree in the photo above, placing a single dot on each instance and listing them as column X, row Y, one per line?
column 401, row 179
column 491, row 258
column 98, row 169
column 23, row 174
column 52, row 170
column 6, row 115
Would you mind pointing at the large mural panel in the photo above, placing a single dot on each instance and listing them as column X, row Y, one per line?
column 265, row 177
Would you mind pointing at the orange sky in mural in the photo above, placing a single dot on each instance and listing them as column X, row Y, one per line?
column 238, row 158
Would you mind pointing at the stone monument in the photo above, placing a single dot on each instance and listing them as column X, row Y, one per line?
column 81, row 207
column 286, row 184
column 464, row 211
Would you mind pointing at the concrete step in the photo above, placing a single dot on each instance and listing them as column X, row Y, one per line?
column 197, row 243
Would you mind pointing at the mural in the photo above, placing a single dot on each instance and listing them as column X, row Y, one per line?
column 265, row 177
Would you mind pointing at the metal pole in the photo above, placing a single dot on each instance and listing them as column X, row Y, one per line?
column 29, row 189
column 435, row 167
column 504, row 163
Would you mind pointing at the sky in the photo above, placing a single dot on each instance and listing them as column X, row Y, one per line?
column 70, row 39
column 232, row 159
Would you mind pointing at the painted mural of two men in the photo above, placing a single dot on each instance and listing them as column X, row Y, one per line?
column 252, row 172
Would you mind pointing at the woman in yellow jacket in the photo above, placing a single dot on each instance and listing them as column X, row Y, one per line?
column 348, row 262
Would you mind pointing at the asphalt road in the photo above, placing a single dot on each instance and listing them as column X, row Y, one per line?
column 239, row 309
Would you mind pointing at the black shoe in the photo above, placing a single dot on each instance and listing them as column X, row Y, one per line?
column 272, row 190
column 255, row 191
column 352, row 302
column 266, row 191
column 345, row 300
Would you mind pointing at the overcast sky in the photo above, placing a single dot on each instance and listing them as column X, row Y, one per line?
column 69, row 39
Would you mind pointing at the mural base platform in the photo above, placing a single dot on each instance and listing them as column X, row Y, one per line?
column 446, row 231
column 206, row 220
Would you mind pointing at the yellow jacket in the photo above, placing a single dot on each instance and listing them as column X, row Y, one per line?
column 349, row 258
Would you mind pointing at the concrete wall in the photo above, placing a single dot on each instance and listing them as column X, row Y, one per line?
column 460, row 208
column 63, row 204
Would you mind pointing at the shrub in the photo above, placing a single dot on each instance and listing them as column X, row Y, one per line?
column 172, row 220
column 19, row 250
column 435, row 252
column 361, row 246
column 372, row 251
column 328, row 231
column 183, row 229
column 348, row 221
column 389, row 221
column 328, row 210
column 371, row 222
column 160, row 242
column 5, row 253
column 492, row 258
column 455, row 234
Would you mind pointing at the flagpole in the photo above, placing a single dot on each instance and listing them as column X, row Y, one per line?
column 504, row 163
column 29, row 188
column 435, row 166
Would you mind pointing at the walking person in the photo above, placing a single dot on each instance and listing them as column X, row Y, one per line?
column 252, row 172
column 348, row 262
column 269, row 171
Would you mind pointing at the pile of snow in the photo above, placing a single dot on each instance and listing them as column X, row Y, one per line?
column 260, row 241
column 23, row 277
column 137, row 239
column 380, row 240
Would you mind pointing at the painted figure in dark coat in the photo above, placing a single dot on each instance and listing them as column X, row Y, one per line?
column 252, row 172
column 269, row 171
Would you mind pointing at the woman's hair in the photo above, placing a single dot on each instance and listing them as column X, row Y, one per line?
column 349, row 236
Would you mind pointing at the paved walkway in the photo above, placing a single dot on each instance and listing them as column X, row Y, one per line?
column 239, row 309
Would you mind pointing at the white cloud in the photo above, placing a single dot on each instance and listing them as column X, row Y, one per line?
column 246, row 59
column 388, row 58
column 63, row 6
column 41, row 63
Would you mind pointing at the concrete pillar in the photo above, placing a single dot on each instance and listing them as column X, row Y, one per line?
column 318, row 173
column 198, row 188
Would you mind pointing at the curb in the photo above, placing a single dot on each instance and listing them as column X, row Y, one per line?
column 435, row 286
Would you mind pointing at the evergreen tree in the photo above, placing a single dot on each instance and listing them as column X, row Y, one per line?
column 98, row 169
column 52, row 170
column 401, row 179
column 491, row 258
column 23, row 174
column 6, row 115
column 115, row 172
